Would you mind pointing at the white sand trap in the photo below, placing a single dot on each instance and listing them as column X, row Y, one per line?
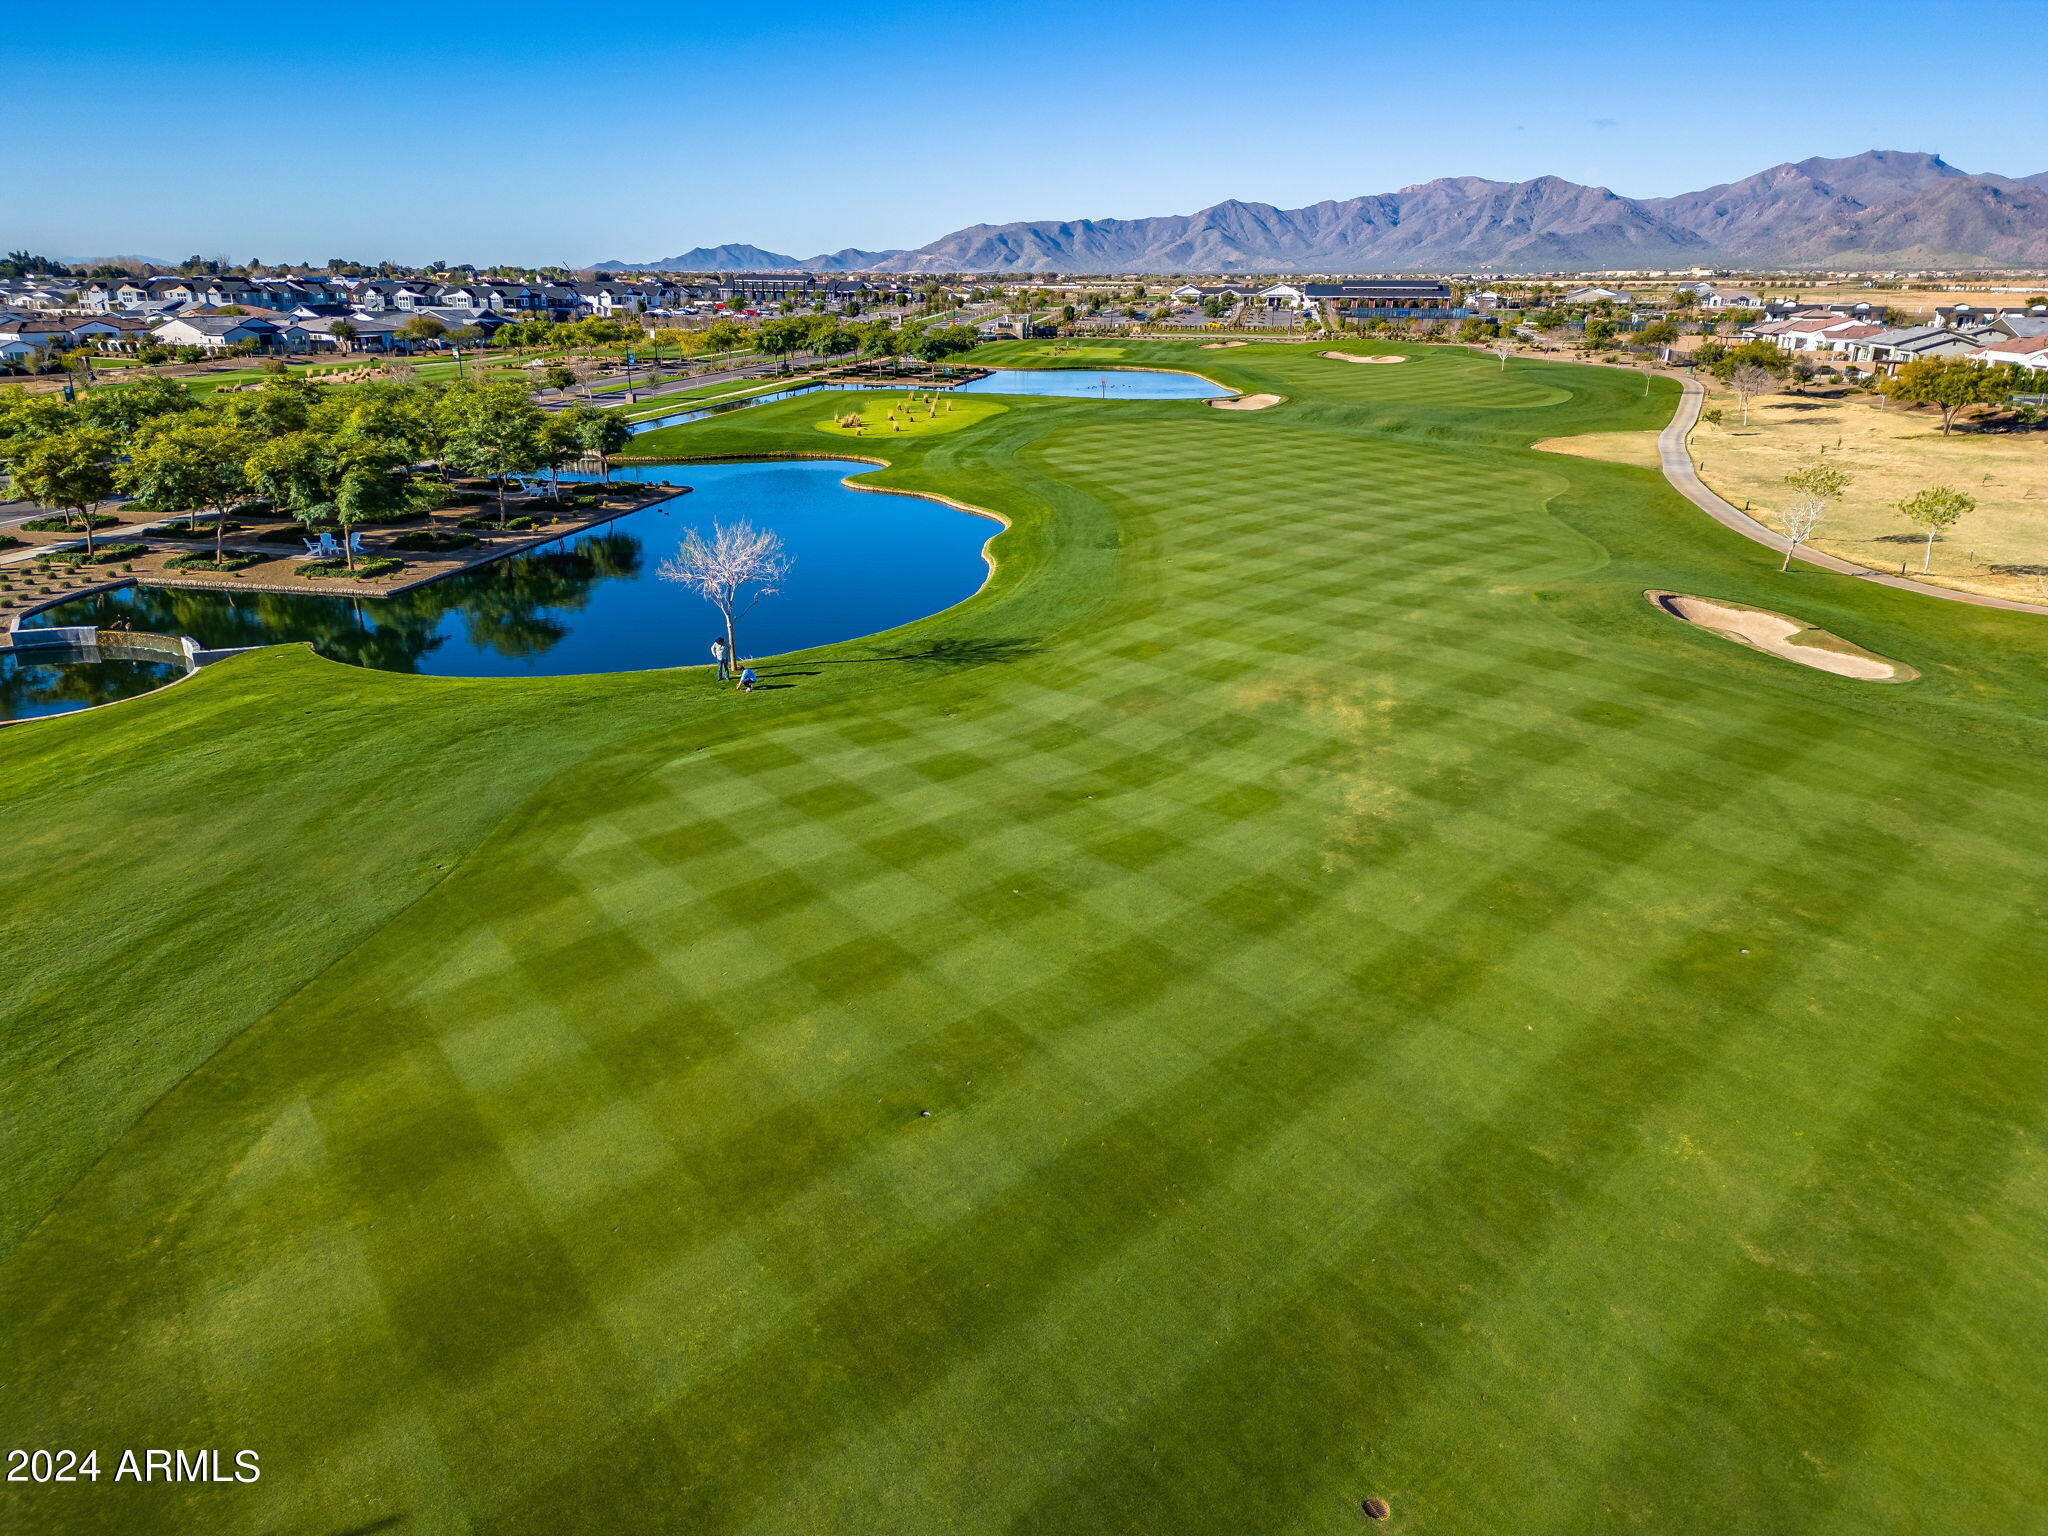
column 1776, row 635
column 1353, row 357
column 1247, row 402
column 1211, row 346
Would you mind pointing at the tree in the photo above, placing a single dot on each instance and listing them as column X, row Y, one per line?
column 1748, row 354
column 344, row 335
column 1747, row 380
column 1503, row 349
column 295, row 473
column 561, row 442
column 1801, row 518
column 601, row 434
column 942, row 341
column 492, row 430
column 1934, row 509
column 559, row 378
column 192, row 462
column 724, row 335
column 1949, row 384
column 126, row 411
column 732, row 570
column 421, row 328
column 364, row 495
column 1658, row 333
column 72, row 471
column 1818, row 484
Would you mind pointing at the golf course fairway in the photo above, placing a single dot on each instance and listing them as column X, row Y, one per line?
column 1306, row 988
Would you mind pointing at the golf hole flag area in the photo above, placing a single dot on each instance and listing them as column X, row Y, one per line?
column 1304, row 991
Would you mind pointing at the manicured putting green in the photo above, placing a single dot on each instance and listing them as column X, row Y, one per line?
column 1307, row 988
column 906, row 415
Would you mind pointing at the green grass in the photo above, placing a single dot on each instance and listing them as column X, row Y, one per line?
column 1399, row 1016
column 672, row 400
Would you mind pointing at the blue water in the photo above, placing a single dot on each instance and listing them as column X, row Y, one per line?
column 54, row 681
column 1089, row 384
column 1066, row 383
column 699, row 413
column 594, row 602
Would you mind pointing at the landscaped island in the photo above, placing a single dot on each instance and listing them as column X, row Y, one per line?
column 1304, row 989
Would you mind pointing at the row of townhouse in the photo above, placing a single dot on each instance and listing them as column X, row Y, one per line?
column 2017, row 336
column 325, row 293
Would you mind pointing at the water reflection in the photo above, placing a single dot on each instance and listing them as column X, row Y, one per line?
column 512, row 609
column 593, row 602
column 56, row 680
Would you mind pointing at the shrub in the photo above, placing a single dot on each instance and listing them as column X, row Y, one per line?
column 256, row 508
column 184, row 528
column 9, row 541
column 366, row 570
column 66, row 525
column 520, row 524
column 241, row 560
column 434, row 540
column 106, row 554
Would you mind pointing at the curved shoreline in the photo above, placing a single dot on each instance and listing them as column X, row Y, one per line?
column 848, row 482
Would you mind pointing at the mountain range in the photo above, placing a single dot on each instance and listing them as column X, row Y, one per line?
column 1877, row 209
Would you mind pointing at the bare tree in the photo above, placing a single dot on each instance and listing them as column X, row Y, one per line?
column 1503, row 349
column 732, row 570
column 1800, row 520
column 1749, row 380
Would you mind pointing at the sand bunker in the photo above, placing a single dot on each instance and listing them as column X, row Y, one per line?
column 1776, row 635
column 1247, row 402
column 1353, row 357
column 1211, row 346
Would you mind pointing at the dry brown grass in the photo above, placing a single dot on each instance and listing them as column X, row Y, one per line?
column 1914, row 301
column 1638, row 448
column 2001, row 548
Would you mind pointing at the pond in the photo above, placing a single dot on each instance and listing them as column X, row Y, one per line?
column 55, row 680
column 1065, row 383
column 593, row 602
column 1094, row 384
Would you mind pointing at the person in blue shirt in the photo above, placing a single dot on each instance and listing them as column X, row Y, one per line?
column 747, row 679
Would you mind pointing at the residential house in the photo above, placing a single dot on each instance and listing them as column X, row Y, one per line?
column 214, row 333
column 1888, row 348
column 2029, row 352
column 1708, row 297
column 1963, row 316
column 1597, row 296
column 1809, row 333
column 2019, row 325
column 44, row 334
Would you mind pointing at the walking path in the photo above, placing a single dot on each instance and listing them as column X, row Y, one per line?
column 1678, row 469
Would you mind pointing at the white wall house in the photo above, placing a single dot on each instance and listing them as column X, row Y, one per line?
column 2029, row 352
column 214, row 333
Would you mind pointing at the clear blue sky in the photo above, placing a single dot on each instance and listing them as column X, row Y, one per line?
column 567, row 133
